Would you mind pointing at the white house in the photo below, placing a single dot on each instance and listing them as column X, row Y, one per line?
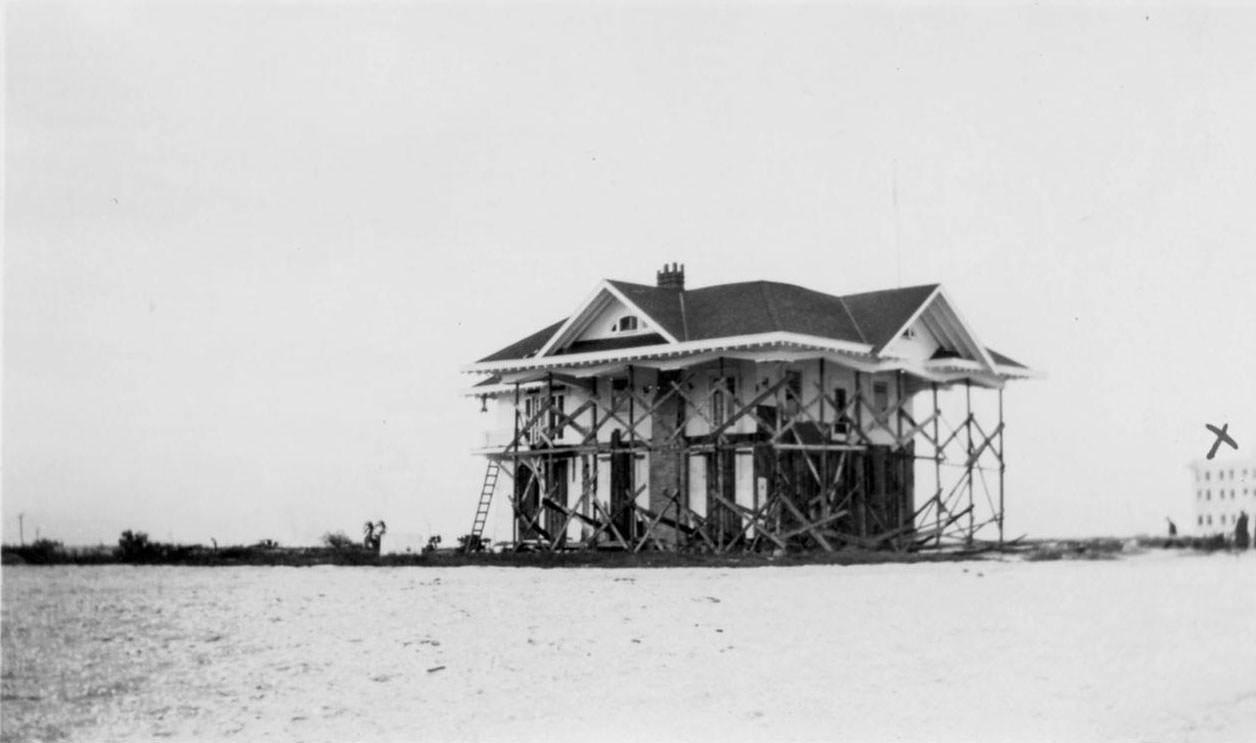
column 745, row 415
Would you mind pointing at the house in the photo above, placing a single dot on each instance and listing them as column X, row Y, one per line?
column 743, row 416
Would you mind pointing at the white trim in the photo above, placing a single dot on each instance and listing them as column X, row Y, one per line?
column 572, row 319
column 981, row 349
column 494, row 390
column 1019, row 372
column 672, row 349
column 585, row 307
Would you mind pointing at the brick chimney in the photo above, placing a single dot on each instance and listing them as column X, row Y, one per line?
column 672, row 277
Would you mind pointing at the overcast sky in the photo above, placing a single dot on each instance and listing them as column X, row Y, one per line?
column 248, row 246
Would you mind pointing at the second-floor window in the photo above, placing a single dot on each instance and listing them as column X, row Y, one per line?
column 880, row 396
column 723, row 399
column 547, row 425
column 625, row 324
column 839, row 400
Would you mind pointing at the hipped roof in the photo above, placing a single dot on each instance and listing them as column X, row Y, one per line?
column 754, row 307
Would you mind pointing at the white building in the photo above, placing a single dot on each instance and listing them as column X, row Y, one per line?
column 1222, row 488
column 747, row 414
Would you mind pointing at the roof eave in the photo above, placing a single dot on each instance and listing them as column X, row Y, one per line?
column 672, row 349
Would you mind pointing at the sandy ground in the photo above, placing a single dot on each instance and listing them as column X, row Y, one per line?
column 1155, row 647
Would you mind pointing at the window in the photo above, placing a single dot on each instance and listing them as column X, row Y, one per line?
column 619, row 394
column 793, row 392
column 1207, row 495
column 1201, row 520
column 793, row 384
column 909, row 334
column 1210, row 519
column 881, row 396
column 548, row 425
column 625, row 324
column 1207, row 476
column 839, row 399
column 723, row 399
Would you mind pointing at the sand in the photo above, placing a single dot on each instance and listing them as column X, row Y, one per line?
column 1154, row 647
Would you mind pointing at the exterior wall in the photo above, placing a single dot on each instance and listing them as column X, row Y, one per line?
column 749, row 378
column 1221, row 489
column 668, row 467
column 704, row 379
column 918, row 345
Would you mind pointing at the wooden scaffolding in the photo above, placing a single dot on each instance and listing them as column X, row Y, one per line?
column 811, row 492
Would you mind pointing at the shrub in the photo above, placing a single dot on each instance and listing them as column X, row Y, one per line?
column 133, row 546
column 470, row 543
column 338, row 541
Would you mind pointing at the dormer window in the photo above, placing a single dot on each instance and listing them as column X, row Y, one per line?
column 625, row 324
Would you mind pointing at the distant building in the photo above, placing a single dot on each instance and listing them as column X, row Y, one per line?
column 1222, row 488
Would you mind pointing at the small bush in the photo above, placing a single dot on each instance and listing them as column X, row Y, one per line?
column 471, row 543
column 338, row 541
column 133, row 546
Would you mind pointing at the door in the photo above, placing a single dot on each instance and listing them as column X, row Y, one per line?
column 622, row 515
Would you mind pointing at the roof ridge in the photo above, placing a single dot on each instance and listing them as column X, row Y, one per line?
column 932, row 286
column 853, row 321
column 684, row 316
column 767, row 301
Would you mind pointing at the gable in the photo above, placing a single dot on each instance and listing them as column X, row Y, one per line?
column 597, row 321
column 917, row 343
column 935, row 331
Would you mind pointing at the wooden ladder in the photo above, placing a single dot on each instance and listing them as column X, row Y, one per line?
column 486, row 499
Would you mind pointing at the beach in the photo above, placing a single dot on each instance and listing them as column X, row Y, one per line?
column 1149, row 646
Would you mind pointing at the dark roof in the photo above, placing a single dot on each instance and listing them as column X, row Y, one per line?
column 765, row 306
column 752, row 307
column 522, row 349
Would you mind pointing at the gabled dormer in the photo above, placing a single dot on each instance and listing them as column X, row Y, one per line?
column 608, row 319
column 935, row 331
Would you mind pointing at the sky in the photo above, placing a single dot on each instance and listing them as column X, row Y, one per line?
column 249, row 246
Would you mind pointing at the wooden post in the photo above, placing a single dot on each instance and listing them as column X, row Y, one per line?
column 968, row 465
column 937, row 465
column 547, row 490
column 632, row 445
column 594, row 428
column 824, row 454
column 860, row 504
column 1002, row 467
column 900, row 500
column 514, row 497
